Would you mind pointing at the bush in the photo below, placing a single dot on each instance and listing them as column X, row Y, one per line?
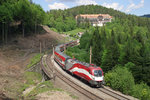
column 120, row 79
column 141, row 91
column 130, row 65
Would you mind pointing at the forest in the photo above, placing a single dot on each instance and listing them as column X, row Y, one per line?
column 64, row 20
column 121, row 48
column 124, row 56
column 19, row 17
column 146, row 15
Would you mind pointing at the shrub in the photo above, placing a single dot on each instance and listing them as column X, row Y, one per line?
column 120, row 79
column 141, row 91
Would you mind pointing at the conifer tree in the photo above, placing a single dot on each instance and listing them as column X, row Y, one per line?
column 96, row 47
column 111, row 53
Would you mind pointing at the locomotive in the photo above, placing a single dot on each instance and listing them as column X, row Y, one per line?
column 89, row 72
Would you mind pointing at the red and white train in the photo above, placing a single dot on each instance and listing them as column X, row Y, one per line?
column 90, row 72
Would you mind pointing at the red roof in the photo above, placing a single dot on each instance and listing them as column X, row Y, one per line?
column 94, row 15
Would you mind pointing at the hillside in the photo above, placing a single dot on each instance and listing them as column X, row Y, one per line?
column 16, row 56
column 121, row 48
column 147, row 15
column 64, row 20
column 19, row 17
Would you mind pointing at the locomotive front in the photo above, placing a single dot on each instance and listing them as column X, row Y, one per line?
column 97, row 77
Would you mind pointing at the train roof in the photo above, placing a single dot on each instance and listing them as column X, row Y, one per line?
column 84, row 63
column 57, row 49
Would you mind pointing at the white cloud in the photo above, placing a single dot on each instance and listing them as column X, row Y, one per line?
column 60, row 0
column 58, row 6
column 133, row 6
column 48, row 0
column 86, row 2
column 114, row 5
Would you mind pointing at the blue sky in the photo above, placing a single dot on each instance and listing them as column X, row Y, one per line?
column 136, row 7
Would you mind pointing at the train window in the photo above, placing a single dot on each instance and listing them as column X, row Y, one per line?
column 97, row 73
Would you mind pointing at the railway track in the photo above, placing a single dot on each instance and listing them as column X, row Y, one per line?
column 113, row 94
column 48, row 67
column 75, row 86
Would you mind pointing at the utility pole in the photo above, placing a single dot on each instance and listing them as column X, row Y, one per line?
column 3, row 32
column 64, row 48
column 53, row 50
column 65, row 45
column 44, row 46
column 90, row 54
column 40, row 47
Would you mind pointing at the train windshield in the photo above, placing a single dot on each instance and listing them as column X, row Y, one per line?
column 97, row 73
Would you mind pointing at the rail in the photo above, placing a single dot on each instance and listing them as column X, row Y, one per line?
column 72, row 84
column 48, row 67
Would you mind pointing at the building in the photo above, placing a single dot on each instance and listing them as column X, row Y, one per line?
column 94, row 19
column 79, row 34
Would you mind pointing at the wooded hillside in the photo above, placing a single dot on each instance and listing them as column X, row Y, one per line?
column 19, row 17
column 64, row 20
column 121, row 48
column 147, row 15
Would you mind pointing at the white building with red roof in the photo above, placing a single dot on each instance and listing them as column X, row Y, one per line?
column 94, row 19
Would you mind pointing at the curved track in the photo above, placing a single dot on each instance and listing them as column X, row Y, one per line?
column 77, row 87
column 47, row 66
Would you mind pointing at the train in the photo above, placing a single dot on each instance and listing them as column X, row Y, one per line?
column 90, row 72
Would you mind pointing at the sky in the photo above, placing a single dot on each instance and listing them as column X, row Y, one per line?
column 136, row 7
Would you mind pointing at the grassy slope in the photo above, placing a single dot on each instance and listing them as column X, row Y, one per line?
column 74, row 32
column 34, row 60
